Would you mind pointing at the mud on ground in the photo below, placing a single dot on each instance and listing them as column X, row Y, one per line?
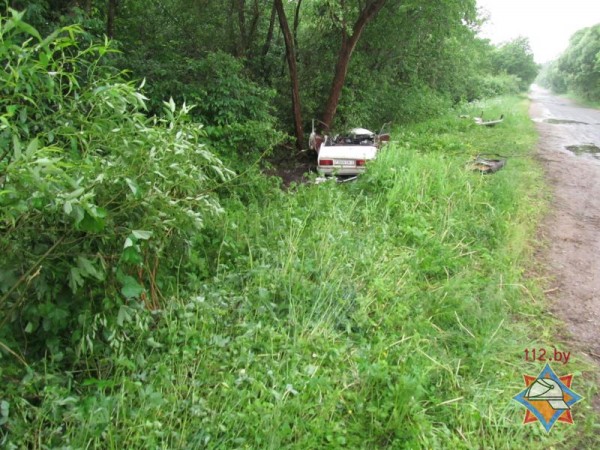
column 569, row 150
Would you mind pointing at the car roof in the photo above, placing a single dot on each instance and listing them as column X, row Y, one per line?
column 361, row 131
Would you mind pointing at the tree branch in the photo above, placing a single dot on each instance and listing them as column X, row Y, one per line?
column 346, row 50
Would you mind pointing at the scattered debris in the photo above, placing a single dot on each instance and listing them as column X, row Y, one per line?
column 488, row 123
column 486, row 165
column 320, row 180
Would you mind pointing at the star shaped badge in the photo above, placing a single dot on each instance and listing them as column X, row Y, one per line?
column 548, row 398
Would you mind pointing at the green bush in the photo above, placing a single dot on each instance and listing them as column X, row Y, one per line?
column 237, row 111
column 495, row 85
column 516, row 58
column 98, row 202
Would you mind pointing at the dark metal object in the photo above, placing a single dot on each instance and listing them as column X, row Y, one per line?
column 486, row 165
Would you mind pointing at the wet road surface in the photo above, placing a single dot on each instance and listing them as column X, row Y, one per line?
column 569, row 149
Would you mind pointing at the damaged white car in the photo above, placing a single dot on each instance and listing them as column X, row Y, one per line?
column 347, row 154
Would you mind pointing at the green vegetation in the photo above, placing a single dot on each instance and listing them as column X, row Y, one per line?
column 515, row 59
column 155, row 299
column 412, row 61
column 577, row 70
column 379, row 313
column 93, row 193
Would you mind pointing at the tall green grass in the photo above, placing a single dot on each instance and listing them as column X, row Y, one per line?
column 387, row 313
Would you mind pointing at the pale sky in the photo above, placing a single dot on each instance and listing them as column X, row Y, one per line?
column 547, row 23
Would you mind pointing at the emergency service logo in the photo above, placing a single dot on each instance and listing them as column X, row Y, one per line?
column 548, row 398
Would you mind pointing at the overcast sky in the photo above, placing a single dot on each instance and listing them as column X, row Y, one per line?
column 547, row 23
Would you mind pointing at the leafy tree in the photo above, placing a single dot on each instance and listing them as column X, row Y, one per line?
column 411, row 62
column 349, row 61
column 580, row 63
column 578, row 68
column 350, row 32
column 552, row 77
column 516, row 58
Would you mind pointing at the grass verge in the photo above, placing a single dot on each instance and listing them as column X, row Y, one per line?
column 390, row 312
column 582, row 100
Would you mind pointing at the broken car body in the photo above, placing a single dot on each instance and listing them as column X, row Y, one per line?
column 346, row 154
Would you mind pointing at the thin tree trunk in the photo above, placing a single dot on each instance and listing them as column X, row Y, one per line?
column 269, row 38
column 241, row 46
column 344, row 56
column 296, row 24
column 247, row 34
column 231, row 28
column 266, row 72
column 290, row 54
column 110, row 18
column 253, row 25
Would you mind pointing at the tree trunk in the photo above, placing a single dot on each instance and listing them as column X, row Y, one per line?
column 290, row 54
column 241, row 42
column 269, row 37
column 253, row 25
column 344, row 56
column 246, row 34
column 296, row 24
column 110, row 18
column 266, row 73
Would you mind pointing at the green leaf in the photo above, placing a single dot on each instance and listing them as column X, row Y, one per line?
column 96, row 212
column 75, row 279
column 141, row 234
column 132, row 185
column 131, row 288
column 32, row 147
column 17, row 147
column 171, row 104
column 4, row 412
column 87, row 268
column 152, row 343
column 123, row 315
column 78, row 214
column 76, row 193
column 91, row 224
column 25, row 27
column 131, row 256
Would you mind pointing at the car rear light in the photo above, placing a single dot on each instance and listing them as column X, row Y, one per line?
column 360, row 162
column 326, row 162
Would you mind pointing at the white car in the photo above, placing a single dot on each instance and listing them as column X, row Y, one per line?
column 347, row 154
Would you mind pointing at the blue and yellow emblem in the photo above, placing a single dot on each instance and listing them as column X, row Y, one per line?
column 548, row 398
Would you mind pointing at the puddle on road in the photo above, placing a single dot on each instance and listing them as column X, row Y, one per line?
column 585, row 149
column 564, row 121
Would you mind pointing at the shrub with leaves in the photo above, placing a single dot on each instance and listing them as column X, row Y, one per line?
column 236, row 111
column 96, row 199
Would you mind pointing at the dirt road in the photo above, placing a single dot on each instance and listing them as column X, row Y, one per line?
column 569, row 149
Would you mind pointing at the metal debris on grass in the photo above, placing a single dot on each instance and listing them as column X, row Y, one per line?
column 487, row 164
